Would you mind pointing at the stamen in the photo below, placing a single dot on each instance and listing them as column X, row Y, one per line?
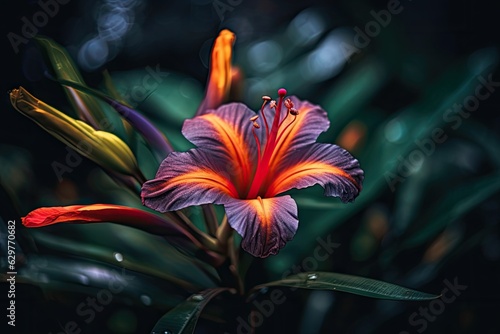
column 274, row 134
column 254, row 118
column 286, row 127
column 291, row 110
column 265, row 98
column 283, row 120
column 257, row 141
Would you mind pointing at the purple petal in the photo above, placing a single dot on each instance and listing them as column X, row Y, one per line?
column 227, row 133
column 311, row 121
column 156, row 139
column 188, row 178
column 328, row 165
column 266, row 225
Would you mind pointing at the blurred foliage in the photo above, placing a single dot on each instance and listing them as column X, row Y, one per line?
column 428, row 212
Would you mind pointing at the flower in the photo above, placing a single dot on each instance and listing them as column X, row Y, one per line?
column 221, row 72
column 102, row 147
column 181, row 235
column 245, row 160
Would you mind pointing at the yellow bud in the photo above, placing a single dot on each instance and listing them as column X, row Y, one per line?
column 104, row 148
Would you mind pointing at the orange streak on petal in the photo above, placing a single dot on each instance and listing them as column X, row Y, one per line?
column 286, row 179
column 235, row 145
column 264, row 210
column 205, row 179
column 283, row 146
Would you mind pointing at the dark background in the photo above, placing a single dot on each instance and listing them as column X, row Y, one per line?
column 427, row 39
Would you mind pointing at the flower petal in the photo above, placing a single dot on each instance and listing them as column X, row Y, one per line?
column 98, row 213
column 328, row 165
column 219, row 81
column 179, row 235
column 227, row 133
column 153, row 136
column 185, row 179
column 265, row 224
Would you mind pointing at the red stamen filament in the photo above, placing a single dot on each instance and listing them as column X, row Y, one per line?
column 273, row 137
column 257, row 141
column 286, row 127
column 264, row 117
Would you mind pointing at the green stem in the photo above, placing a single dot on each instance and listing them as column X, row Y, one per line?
column 224, row 232
column 209, row 242
column 210, row 218
column 225, row 240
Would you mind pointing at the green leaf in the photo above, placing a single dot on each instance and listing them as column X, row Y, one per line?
column 138, row 251
column 74, row 276
column 362, row 286
column 459, row 201
column 88, row 107
column 352, row 92
column 183, row 318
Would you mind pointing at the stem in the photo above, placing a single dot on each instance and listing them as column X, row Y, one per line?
column 210, row 218
column 224, row 232
column 205, row 239
column 226, row 243
column 234, row 267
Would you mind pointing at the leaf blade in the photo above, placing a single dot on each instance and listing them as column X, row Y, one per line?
column 362, row 286
column 183, row 318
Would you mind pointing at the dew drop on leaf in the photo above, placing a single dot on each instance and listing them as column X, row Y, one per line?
column 84, row 280
column 198, row 298
column 312, row 277
column 118, row 256
column 146, row 300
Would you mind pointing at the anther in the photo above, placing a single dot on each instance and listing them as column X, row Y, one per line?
column 254, row 118
column 294, row 111
column 272, row 104
column 266, row 98
column 256, row 125
column 288, row 104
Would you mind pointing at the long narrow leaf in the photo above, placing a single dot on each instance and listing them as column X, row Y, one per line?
column 87, row 106
column 362, row 286
column 183, row 318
